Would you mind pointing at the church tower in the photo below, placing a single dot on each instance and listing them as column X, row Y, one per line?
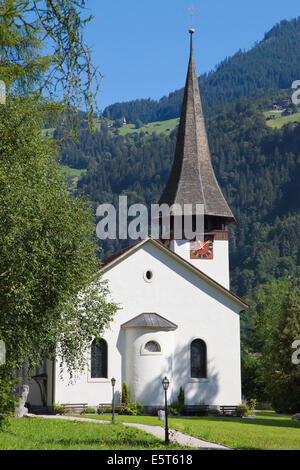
column 193, row 181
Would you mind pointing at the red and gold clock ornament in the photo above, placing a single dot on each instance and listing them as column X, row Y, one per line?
column 202, row 249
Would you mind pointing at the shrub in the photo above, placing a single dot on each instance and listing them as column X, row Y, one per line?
column 252, row 406
column 173, row 410
column 242, row 410
column 58, row 409
column 180, row 400
column 213, row 412
column 90, row 410
column 177, row 406
column 133, row 409
column 174, row 406
column 125, row 393
column 8, row 401
column 105, row 411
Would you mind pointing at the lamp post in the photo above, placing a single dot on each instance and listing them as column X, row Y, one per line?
column 165, row 384
column 113, row 383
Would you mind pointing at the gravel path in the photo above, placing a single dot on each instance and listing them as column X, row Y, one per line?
column 157, row 431
column 178, row 437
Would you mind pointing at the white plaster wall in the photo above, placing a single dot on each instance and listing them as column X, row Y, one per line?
column 85, row 389
column 216, row 268
column 181, row 296
column 145, row 371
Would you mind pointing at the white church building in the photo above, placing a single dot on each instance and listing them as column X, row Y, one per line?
column 177, row 317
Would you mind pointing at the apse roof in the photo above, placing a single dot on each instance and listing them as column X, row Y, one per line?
column 150, row 320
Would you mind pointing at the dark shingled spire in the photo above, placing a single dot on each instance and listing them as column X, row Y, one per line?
column 192, row 179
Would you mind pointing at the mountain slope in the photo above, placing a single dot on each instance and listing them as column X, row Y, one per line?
column 272, row 64
column 256, row 167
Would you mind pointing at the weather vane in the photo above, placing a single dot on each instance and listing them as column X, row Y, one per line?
column 192, row 10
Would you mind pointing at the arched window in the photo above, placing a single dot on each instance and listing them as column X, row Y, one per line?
column 152, row 346
column 99, row 359
column 198, row 359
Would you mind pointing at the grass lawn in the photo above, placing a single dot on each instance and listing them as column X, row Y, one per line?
column 54, row 434
column 265, row 432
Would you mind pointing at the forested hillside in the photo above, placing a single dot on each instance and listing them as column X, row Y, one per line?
column 257, row 166
column 272, row 64
column 257, row 169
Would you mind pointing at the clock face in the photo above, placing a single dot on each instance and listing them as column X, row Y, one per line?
column 202, row 249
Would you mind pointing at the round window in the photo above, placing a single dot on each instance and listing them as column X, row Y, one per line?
column 148, row 275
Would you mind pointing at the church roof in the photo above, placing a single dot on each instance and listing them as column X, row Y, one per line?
column 118, row 257
column 192, row 179
column 150, row 320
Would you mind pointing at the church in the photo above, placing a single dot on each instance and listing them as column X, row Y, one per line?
column 177, row 317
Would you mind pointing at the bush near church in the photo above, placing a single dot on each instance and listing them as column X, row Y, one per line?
column 177, row 406
column 8, row 402
column 125, row 393
column 134, row 408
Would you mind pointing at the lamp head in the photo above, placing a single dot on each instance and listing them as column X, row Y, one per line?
column 165, row 383
column 113, row 381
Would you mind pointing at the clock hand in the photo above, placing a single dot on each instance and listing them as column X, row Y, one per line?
column 202, row 246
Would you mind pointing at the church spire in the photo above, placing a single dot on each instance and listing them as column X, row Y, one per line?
column 192, row 179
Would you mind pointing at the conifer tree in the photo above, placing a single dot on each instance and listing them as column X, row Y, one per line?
column 125, row 394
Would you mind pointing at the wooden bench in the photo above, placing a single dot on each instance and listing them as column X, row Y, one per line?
column 108, row 406
column 228, row 410
column 74, row 407
column 196, row 409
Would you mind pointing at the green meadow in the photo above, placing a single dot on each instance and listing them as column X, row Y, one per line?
column 266, row 431
column 283, row 120
column 158, row 127
column 73, row 172
column 55, row 434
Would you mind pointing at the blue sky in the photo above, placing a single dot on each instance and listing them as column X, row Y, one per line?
column 141, row 47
